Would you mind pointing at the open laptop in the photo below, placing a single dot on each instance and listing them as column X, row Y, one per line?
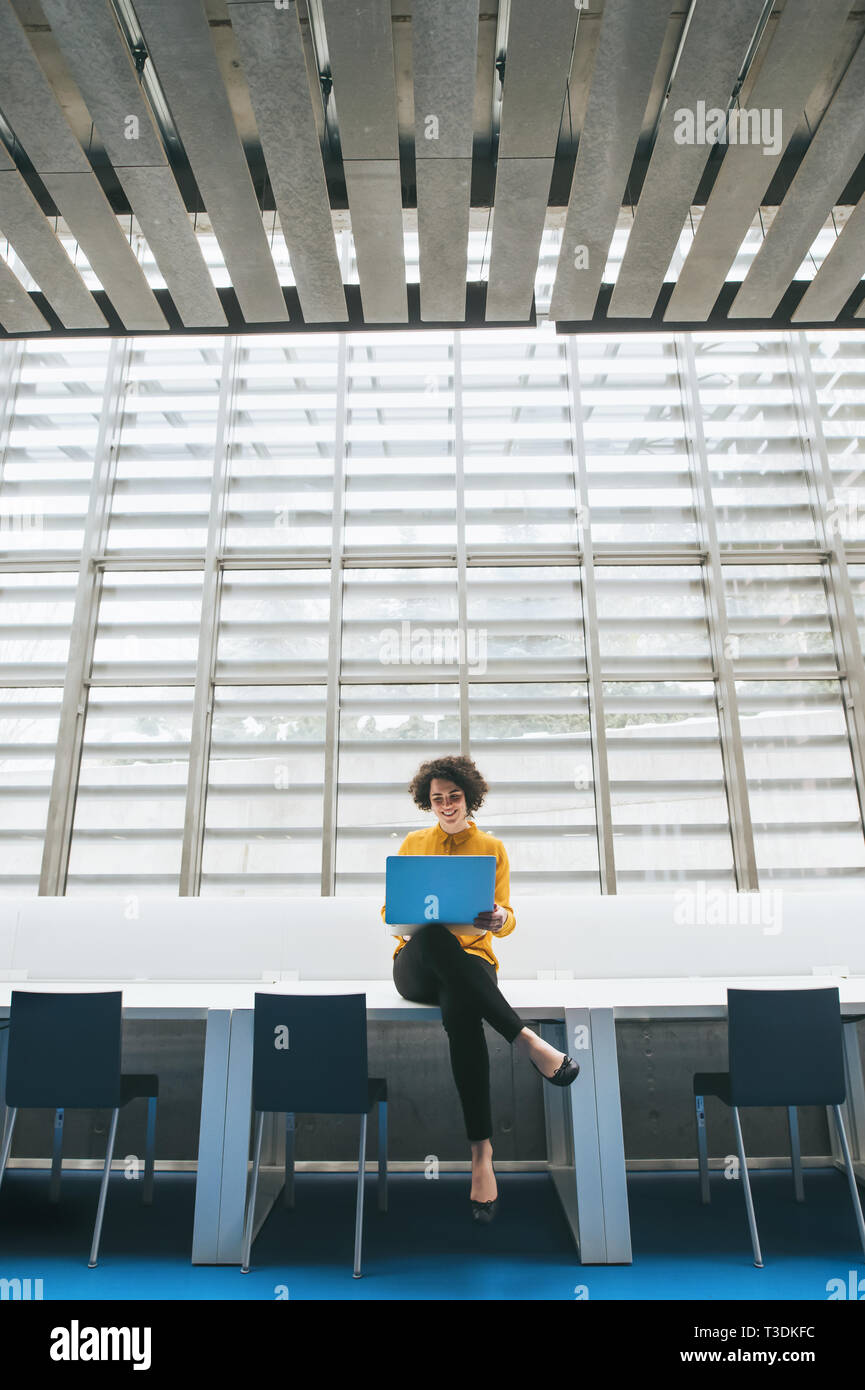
column 451, row 889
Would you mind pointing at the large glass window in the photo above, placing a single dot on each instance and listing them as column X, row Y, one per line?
column 400, row 474
column 35, row 624
column 519, row 466
column 385, row 733
column 652, row 619
column 400, row 623
column 533, row 746
column 149, row 625
column 639, row 473
column 525, row 620
column 478, row 605
column 283, row 440
column 778, row 615
column 273, row 623
column 838, row 363
column 753, row 440
column 670, row 817
column 47, row 469
column 162, row 484
column 264, row 795
column 807, row 824
column 29, row 720
column 128, row 828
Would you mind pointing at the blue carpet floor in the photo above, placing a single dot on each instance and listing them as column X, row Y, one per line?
column 426, row 1247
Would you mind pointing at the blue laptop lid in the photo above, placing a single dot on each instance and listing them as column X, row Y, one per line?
column 423, row 888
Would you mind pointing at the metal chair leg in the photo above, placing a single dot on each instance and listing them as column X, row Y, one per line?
column 288, row 1190
column 702, row 1151
column 149, row 1152
column 103, row 1190
column 382, row 1155
column 749, row 1205
column 253, row 1193
column 56, row 1157
column 795, row 1152
column 11, row 1112
column 851, row 1176
column 358, row 1220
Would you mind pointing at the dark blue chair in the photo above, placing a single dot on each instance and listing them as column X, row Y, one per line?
column 64, row 1054
column 785, row 1048
column 310, row 1057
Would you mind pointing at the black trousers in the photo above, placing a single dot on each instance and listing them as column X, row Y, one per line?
column 433, row 968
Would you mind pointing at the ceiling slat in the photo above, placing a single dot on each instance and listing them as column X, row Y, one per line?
column 272, row 54
column 155, row 198
column 32, row 110
column 443, row 205
column 798, row 54
column 630, row 41
column 829, row 162
column 714, row 48
column 838, row 276
column 364, row 87
column 177, row 35
column 96, row 54
column 374, row 193
column 444, row 62
column 29, row 103
column 91, row 221
column 537, row 65
column 29, row 231
column 522, row 188
column 315, row 99
column 18, row 313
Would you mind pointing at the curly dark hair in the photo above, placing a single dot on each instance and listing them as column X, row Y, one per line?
column 453, row 768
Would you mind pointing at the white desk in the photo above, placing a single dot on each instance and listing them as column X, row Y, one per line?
column 585, row 1146
column 640, row 956
column 187, row 999
column 584, row 1124
column 223, row 1152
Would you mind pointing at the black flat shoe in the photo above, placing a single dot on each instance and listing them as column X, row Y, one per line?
column 566, row 1073
column 484, row 1212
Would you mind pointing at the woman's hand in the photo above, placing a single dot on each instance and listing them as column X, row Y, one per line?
column 491, row 921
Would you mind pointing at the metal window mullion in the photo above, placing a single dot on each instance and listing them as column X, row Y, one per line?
column 842, row 611
column 70, row 734
column 202, row 705
column 334, row 644
column 597, row 721
column 732, row 751
column 462, row 593
column 11, row 358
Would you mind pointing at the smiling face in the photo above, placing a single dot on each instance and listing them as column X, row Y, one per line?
column 448, row 801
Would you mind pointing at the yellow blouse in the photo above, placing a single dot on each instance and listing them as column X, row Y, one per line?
column 469, row 841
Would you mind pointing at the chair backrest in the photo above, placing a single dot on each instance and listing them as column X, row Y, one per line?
column 64, row 1050
column 309, row 1054
column 785, row 1047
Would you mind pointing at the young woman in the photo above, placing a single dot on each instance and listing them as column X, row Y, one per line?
column 456, row 968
